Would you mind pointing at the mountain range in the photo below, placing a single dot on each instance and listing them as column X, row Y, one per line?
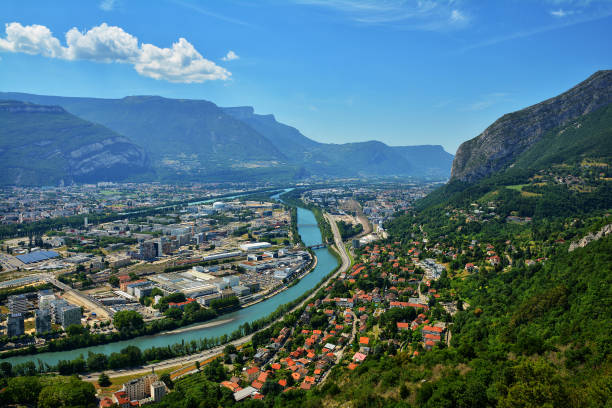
column 195, row 140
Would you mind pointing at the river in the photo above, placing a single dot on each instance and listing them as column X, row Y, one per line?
column 311, row 235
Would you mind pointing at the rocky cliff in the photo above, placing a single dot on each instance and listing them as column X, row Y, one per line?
column 501, row 143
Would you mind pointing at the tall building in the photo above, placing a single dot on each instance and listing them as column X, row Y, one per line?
column 139, row 388
column 70, row 315
column 56, row 308
column 158, row 390
column 149, row 249
column 14, row 325
column 18, row 304
column 43, row 320
column 45, row 297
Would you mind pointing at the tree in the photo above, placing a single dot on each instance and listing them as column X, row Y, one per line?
column 165, row 378
column 230, row 349
column 127, row 320
column 104, row 381
column 197, row 365
column 114, row 280
column 97, row 361
column 23, row 390
column 537, row 385
column 174, row 313
column 73, row 393
column 75, row 330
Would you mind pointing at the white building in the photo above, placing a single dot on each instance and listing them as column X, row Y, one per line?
column 253, row 246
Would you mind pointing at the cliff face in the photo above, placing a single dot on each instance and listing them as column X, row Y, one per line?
column 512, row 134
column 45, row 144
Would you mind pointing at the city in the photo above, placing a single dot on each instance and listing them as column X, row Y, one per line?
column 306, row 204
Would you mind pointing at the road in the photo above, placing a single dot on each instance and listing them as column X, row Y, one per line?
column 191, row 359
column 77, row 297
column 347, row 345
column 363, row 220
column 346, row 261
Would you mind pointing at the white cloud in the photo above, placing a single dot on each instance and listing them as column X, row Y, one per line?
column 230, row 56
column 181, row 63
column 457, row 16
column 104, row 43
column 561, row 13
column 487, row 101
column 414, row 14
column 34, row 39
column 108, row 5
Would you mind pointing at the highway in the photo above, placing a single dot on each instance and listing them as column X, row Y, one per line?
column 346, row 261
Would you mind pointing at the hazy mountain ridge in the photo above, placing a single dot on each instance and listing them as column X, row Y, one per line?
column 171, row 127
column 193, row 139
column 46, row 145
column 514, row 133
column 358, row 158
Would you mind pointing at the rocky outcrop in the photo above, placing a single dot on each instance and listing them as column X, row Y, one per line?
column 587, row 239
column 109, row 155
column 501, row 143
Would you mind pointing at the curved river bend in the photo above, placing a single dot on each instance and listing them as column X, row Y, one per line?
column 308, row 230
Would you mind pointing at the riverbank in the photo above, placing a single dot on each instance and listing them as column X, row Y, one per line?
column 340, row 268
column 241, row 322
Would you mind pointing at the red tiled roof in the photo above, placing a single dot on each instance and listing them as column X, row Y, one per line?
column 433, row 329
column 252, row 370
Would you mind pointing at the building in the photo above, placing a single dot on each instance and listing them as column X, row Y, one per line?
column 18, row 304
column 255, row 246
column 158, row 390
column 140, row 388
column 232, row 280
column 43, row 320
column 70, row 315
column 241, row 290
column 143, row 291
column 56, row 307
column 14, row 325
column 147, row 250
column 45, row 297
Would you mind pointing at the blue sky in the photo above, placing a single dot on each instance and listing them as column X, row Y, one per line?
column 403, row 72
